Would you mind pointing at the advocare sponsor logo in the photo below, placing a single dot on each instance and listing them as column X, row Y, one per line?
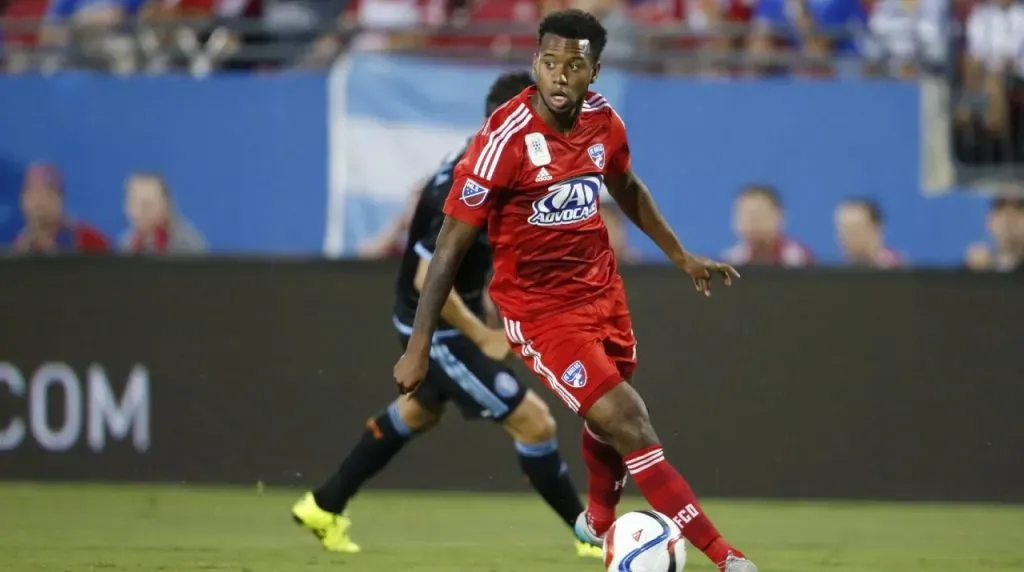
column 90, row 406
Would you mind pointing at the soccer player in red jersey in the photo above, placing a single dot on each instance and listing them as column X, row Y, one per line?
column 533, row 175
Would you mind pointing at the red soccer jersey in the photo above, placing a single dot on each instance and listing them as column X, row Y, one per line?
column 537, row 191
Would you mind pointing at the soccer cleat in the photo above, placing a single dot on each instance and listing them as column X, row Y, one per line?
column 331, row 529
column 587, row 550
column 735, row 563
column 585, row 532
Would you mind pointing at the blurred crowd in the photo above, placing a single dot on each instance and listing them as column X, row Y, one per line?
column 859, row 222
column 976, row 43
column 153, row 224
column 759, row 225
column 900, row 38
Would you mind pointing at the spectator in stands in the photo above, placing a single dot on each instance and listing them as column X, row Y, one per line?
column 860, row 227
column 19, row 32
column 156, row 226
column 48, row 229
column 496, row 26
column 1005, row 225
column 758, row 221
column 390, row 241
column 294, row 25
column 618, row 225
column 722, row 26
column 382, row 25
column 995, row 38
column 813, row 29
column 205, row 42
column 614, row 15
column 905, row 36
column 93, row 23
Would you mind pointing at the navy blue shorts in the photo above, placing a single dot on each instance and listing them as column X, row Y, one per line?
column 460, row 373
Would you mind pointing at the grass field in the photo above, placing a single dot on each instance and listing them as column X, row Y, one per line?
column 110, row 529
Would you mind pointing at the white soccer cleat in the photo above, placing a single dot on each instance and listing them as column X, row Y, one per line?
column 735, row 563
column 585, row 532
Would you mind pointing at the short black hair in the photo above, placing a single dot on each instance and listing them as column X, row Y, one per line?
column 507, row 86
column 871, row 205
column 764, row 190
column 575, row 25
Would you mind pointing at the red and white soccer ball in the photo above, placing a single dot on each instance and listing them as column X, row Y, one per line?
column 644, row 541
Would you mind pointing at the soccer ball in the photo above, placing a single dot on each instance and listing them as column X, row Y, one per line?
column 644, row 541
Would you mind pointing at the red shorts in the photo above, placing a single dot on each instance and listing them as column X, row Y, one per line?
column 580, row 354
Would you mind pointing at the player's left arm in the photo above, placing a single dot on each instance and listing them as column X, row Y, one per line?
column 637, row 203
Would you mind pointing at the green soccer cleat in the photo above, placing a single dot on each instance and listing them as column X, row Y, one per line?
column 331, row 529
column 584, row 550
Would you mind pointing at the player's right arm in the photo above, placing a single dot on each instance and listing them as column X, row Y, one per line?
column 492, row 342
column 487, row 166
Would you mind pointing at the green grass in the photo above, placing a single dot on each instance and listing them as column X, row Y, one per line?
column 115, row 528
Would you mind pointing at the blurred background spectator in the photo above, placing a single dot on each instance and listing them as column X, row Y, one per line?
column 390, row 241
column 989, row 113
column 860, row 227
column 1005, row 250
column 813, row 28
column 384, row 25
column 48, row 228
column 156, row 225
column 614, row 15
column 195, row 35
column 758, row 221
column 89, row 33
column 905, row 37
column 617, row 224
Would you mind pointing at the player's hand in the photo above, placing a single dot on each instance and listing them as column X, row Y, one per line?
column 495, row 345
column 409, row 372
column 703, row 270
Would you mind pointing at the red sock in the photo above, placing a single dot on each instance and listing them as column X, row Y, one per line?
column 669, row 493
column 606, row 477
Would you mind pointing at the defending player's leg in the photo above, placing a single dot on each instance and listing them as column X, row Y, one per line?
column 534, row 430
column 484, row 389
column 621, row 415
column 322, row 511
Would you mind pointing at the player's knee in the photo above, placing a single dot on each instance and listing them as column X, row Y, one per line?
column 621, row 415
column 415, row 415
column 532, row 421
column 633, row 432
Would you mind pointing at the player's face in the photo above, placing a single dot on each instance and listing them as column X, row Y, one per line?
column 564, row 70
column 757, row 219
column 858, row 235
